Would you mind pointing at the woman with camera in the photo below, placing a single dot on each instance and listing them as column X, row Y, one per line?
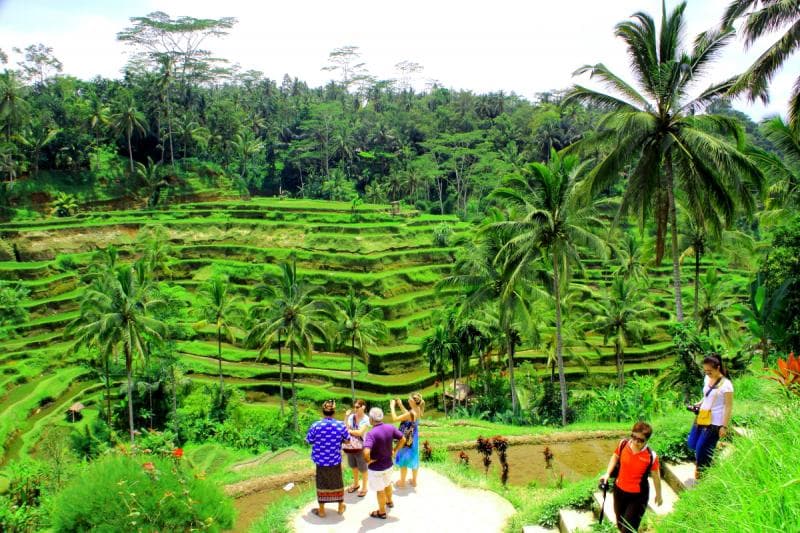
column 408, row 456
column 713, row 413
column 631, row 464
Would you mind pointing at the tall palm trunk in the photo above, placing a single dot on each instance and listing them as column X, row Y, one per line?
column 444, row 398
column 175, row 422
column 294, row 394
column 696, row 281
column 673, row 222
column 352, row 369
column 455, row 386
column 620, row 363
column 280, row 372
column 219, row 360
column 130, row 152
column 108, row 391
column 562, row 380
column 129, row 370
column 512, row 383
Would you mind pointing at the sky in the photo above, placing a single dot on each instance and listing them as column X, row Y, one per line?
column 520, row 46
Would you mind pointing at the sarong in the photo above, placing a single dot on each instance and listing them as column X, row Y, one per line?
column 330, row 485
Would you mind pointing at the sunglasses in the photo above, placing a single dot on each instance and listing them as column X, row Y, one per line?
column 638, row 439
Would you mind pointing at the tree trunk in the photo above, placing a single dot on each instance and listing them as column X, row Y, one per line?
column 294, row 395
column 219, row 360
column 673, row 222
column 562, row 380
column 280, row 372
column 130, row 152
column 352, row 370
column 108, row 392
column 455, row 388
column 620, row 364
column 696, row 280
column 512, row 384
column 444, row 398
column 175, row 423
column 129, row 369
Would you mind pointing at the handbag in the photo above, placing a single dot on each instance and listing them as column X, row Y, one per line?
column 354, row 444
column 704, row 415
column 407, row 429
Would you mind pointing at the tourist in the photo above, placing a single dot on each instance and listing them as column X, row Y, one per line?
column 378, row 453
column 713, row 413
column 408, row 456
column 326, row 437
column 357, row 423
column 631, row 490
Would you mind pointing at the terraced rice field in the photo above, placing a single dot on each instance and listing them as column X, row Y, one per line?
column 391, row 258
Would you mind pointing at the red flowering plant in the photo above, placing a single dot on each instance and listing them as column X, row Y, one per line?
column 788, row 374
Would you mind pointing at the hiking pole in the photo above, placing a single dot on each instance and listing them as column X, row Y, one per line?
column 603, row 486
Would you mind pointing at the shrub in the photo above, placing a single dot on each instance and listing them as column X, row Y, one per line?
column 639, row 399
column 140, row 492
column 669, row 438
column 577, row 495
column 442, row 234
column 66, row 263
column 12, row 295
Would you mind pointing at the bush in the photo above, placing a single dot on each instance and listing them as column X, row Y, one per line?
column 669, row 438
column 442, row 235
column 639, row 399
column 140, row 492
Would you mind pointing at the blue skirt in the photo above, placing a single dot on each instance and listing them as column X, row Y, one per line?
column 409, row 457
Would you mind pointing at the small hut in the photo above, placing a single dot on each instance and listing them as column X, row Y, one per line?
column 74, row 411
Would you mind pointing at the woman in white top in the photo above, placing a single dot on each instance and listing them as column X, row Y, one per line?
column 357, row 423
column 713, row 413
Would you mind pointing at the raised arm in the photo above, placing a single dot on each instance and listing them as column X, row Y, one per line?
column 406, row 415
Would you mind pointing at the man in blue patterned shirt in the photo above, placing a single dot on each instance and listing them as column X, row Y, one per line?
column 325, row 437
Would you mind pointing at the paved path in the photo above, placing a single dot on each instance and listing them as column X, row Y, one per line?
column 436, row 504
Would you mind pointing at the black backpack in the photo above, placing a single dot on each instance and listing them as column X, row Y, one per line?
column 644, row 486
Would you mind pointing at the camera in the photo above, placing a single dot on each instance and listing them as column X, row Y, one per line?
column 604, row 486
column 693, row 408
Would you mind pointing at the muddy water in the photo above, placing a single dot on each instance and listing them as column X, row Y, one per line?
column 526, row 463
column 251, row 507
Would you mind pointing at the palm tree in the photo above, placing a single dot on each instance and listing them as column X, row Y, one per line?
column 764, row 17
column 552, row 219
column 488, row 283
column 762, row 313
column 221, row 309
column 114, row 311
column 784, row 173
column 661, row 132
column 359, row 325
column 128, row 120
column 632, row 258
column 716, row 302
column 622, row 316
column 297, row 315
column 437, row 347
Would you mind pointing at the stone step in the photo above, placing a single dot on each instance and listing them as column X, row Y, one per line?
column 538, row 529
column 679, row 476
column 571, row 520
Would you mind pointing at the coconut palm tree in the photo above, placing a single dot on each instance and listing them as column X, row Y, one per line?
column 438, row 347
column 358, row 325
column 632, row 258
column 623, row 318
column 296, row 314
column 129, row 120
column 763, row 17
column 716, row 301
column 114, row 312
column 659, row 130
column 784, row 172
column 221, row 309
column 554, row 219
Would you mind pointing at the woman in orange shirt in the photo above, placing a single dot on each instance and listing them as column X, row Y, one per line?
column 631, row 489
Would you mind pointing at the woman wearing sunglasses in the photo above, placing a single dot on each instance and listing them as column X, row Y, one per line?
column 631, row 464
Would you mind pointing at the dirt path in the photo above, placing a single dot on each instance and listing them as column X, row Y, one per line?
column 437, row 505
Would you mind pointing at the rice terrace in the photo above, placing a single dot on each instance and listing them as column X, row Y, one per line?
column 367, row 298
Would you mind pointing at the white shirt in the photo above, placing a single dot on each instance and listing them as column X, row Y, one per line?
column 716, row 399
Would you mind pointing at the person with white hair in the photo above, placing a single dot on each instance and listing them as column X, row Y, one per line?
column 378, row 453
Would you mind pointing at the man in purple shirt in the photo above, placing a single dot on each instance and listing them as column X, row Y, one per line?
column 379, row 453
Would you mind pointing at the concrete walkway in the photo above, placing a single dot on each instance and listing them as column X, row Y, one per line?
column 436, row 504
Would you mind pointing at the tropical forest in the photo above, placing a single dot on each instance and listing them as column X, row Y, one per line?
column 199, row 262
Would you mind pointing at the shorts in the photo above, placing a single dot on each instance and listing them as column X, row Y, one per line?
column 380, row 479
column 356, row 460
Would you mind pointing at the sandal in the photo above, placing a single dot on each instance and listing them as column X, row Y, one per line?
column 389, row 504
column 378, row 514
column 351, row 489
column 315, row 512
column 362, row 493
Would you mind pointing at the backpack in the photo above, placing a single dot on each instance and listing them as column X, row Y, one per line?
column 644, row 487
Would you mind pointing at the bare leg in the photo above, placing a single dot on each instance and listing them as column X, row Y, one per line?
column 414, row 477
column 387, row 495
column 403, row 474
column 382, row 501
column 355, row 478
column 364, row 482
column 321, row 510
